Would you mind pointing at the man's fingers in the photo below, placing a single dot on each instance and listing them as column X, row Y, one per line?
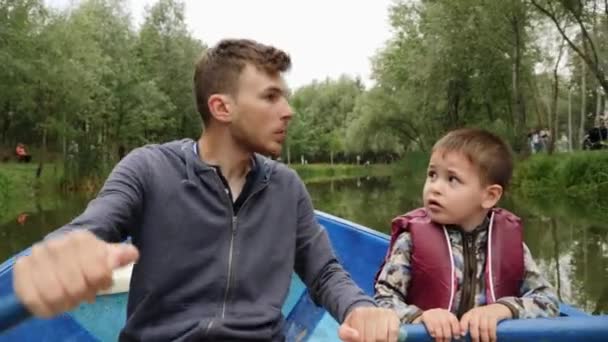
column 71, row 276
column 94, row 265
column 348, row 334
column 47, row 284
column 26, row 291
column 121, row 254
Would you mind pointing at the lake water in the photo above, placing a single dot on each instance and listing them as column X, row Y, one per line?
column 569, row 245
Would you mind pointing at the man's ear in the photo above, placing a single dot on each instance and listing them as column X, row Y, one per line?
column 220, row 106
column 491, row 196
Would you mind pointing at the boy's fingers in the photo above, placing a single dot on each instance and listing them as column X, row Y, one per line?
column 430, row 327
column 464, row 324
column 484, row 329
column 455, row 327
column 446, row 329
column 493, row 326
column 474, row 328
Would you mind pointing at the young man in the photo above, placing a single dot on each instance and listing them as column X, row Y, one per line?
column 217, row 228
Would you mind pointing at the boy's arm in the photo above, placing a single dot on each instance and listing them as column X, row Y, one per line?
column 538, row 298
column 391, row 286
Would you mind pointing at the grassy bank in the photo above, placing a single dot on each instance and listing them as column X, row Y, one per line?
column 20, row 189
column 317, row 173
column 580, row 177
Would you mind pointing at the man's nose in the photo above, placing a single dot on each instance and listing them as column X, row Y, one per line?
column 287, row 112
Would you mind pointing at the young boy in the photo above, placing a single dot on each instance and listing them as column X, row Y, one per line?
column 459, row 264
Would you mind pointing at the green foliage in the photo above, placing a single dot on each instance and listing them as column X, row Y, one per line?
column 85, row 77
column 582, row 176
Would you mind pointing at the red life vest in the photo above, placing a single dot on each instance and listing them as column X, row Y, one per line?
column 433, row 282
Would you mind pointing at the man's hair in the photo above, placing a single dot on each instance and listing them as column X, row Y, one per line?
column 486, row 151
column 218, row 70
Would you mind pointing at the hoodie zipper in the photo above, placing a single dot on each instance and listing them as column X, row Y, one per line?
column 467, row 301
column 234, row 223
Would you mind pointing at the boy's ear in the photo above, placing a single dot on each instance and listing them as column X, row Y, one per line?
column 492, row 195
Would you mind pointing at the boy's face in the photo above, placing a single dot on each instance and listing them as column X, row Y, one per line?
column 453, row 192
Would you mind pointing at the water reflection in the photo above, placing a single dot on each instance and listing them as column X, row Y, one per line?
column 28, row 227
column 568, row 241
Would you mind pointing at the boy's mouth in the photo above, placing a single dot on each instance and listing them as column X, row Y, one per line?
column 433, row 204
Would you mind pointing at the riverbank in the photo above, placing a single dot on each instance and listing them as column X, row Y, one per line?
column 319, row 173
column 20, row 189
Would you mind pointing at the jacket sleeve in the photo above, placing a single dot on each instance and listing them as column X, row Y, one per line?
column 117, row 207
column 537, row 297
column 316, row 264
column 391, row 286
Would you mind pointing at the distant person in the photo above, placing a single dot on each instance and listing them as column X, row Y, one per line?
column 459, row 264
column 22, row 155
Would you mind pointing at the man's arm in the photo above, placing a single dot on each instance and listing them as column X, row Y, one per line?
column 329, row 284
column 112, row 215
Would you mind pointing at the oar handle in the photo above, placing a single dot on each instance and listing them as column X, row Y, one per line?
column 12, row 311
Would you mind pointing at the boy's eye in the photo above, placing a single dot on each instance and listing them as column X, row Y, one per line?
column 431, row 174
column 453, row 179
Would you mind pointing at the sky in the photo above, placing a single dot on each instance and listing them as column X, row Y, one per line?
column 325, row 38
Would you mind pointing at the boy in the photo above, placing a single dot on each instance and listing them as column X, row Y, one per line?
column 459, row 257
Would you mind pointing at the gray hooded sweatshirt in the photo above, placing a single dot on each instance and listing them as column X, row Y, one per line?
column 206, row 273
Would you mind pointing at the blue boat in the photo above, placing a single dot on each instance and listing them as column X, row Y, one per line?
column 360, row 250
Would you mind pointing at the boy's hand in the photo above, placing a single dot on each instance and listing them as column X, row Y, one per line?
column 365, row 324
column 481, row 321
column 62, row 272
column 441, row 324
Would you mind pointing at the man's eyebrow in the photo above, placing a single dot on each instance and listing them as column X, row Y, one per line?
column 275, row 89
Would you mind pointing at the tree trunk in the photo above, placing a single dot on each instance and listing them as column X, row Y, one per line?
column 518, row 106
column 598, row 105
column 42, row 154
column 554, row 123
column 581, row 130
column 570, row 120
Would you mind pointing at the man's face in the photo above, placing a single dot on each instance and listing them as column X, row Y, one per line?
column 261, row 112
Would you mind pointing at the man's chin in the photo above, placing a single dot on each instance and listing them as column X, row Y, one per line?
column 273, row 151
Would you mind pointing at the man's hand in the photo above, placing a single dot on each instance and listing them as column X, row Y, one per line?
column 367, row 324
column 441, row 324
column 481, row 321
column 62, row 272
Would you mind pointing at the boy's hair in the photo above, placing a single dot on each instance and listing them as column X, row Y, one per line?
column 486, row 151
column 218, row 70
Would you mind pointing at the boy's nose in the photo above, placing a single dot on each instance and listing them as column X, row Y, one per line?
column 436, row 187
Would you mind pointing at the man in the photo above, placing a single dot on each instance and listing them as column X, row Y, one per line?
column 217, row 227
